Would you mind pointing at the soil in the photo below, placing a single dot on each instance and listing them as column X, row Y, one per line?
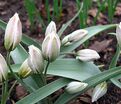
column 103, row 43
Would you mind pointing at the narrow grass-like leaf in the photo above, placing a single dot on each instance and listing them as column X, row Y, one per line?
column 47, row 10
column 113, row 63
column 93, row 81
column 33, row 12
column 64, row 26
column 115, row 58
column 111, row 8
column 101, row 7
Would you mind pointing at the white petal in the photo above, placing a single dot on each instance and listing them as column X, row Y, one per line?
column 50, row 28
column 87, row 55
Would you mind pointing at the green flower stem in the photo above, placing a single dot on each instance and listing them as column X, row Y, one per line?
column 3, row 94
column 49, row 101
column 67, row 53
column 45, row 73
column 6, row 90
column 15, row 75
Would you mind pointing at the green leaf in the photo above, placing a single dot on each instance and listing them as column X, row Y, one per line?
column 113, row 63
column 19, row 54
column 25, row 39
column 92, row 81
column 2, row 24
column 29, row 41
column 44, row 91
column 92, row 31
column 73, row 69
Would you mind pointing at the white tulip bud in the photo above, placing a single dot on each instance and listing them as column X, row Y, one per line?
column 87, row 55
column 99, row 91
column 118, row 34
column 13, row 33
column 74, row 36
column 3, row 69
column 35, row 59
column 74, row 87
column 51, row 47
column 50, row 28
column 24, row 70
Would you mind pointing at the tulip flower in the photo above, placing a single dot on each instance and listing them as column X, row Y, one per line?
column 35, row 59
column 99, row 91
column 51, row 46
column 74, row 87
column 50, row 28
column 3, row 69
column 74, row 36
column 24, row 70
column 118, row 34
column 87, row 55
column 13, row 33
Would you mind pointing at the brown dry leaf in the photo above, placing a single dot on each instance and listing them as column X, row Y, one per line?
column 118, row 11
column 27, row 23
column 101, row 19
column 20, row 92
column 100, row 46
column 85, row 99
column 93, row 12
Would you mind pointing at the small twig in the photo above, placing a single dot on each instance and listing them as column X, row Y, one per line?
column 12, row 87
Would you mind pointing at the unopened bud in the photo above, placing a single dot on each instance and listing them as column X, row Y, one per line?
column 50, row 28
column 51, row 47
column 75, row 87
column 24, row 70
column 118, row 34
column 13, row 33
column 87, row 55
column 35, row 59
column 99, row 91
column 3, row 69
column 74, row 36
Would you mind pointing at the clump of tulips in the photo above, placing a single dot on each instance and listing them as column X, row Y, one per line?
column 38, row 60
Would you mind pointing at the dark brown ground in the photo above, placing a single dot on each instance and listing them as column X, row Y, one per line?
column 103, row 43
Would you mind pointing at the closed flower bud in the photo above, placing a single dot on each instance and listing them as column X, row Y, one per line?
column 87, row 55
column 99, row 91
column 51, row 47
column 35, row 59
column 75, row 87
column 13, row 33
column 24, row 70
column 50, row 28
column 118, row 34
column 3, row 69
column 74, row 36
